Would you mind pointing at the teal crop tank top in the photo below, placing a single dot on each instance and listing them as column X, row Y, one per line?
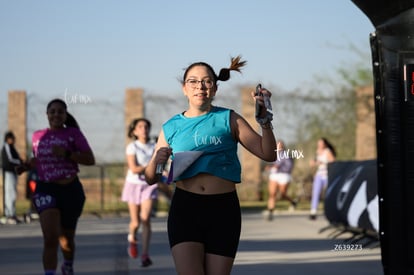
column 211, row 134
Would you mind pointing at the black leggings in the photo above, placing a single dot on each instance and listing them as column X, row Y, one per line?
column 213, row 220
column 68, row 198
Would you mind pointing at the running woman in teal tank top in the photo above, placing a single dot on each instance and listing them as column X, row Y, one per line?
column 204, row 222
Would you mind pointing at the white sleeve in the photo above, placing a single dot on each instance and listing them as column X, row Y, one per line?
column 9, row 155
column 130, row 149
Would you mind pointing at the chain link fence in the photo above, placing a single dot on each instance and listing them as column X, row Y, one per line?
column 102, row 121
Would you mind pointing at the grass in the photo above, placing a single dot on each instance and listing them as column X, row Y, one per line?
column 22, row 206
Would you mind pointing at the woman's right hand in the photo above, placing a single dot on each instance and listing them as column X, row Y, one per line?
column 162, row 155
column 20, row 169
column 26, row 166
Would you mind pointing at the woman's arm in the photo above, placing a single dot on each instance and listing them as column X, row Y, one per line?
column 133, row 166
column 84, row 158
column 83, row 153
column 26, row 166
column 161, row 154
column 263, row 146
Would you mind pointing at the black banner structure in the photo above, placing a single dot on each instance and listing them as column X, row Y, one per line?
column 351, row 199
column 392, row 48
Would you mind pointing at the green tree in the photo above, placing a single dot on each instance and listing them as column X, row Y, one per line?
column 328, row 109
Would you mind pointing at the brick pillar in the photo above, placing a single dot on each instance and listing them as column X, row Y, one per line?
column 134, row 107
column 366, row 147
column 251, row 188
column 17, row 123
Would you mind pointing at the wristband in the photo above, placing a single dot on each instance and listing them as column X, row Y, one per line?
column 267, row 125
column 264, row 120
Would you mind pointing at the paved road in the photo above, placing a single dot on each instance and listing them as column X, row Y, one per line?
column 290, row 244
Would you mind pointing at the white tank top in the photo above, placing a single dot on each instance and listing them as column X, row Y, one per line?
column 323, row 163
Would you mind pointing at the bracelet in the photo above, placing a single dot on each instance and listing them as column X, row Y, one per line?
column 267, row 125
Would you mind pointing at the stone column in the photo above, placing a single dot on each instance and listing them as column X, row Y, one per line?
column 134, row 107
column 17, row 123
column 251, row 188
column 365, row 135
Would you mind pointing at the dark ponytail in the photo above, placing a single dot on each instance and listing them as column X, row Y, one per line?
column 329, row 146
column 235, row 65
column 224, row 75
column 70, row 120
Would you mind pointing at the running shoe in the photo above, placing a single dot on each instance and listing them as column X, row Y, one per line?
column 145, row 261
column 133, row 250
column 294, row 204
column 66, row 269
column 13, row 220
column 270, row 215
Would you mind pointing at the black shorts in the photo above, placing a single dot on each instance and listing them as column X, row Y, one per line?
column 68, row 198
column 213, row 220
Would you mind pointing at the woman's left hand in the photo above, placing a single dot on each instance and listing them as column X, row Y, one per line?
column 260, row 99
column 59, row 151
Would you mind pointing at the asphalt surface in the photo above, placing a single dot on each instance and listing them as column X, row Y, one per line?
column 290, row 244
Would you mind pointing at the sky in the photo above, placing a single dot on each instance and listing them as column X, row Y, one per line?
column 103, row 46
column 98, row 48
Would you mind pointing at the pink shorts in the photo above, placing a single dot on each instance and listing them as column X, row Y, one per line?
column 137, row 193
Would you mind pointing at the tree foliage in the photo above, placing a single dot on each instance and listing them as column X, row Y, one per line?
column 329, row 109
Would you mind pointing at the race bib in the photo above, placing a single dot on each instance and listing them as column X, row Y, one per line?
column 43, row 201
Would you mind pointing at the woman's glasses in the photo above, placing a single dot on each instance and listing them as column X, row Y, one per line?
column 193, row 83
